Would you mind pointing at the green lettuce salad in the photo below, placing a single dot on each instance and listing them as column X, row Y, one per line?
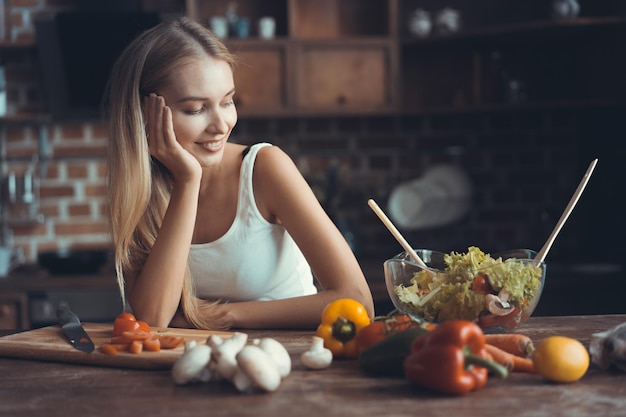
column 453, row 294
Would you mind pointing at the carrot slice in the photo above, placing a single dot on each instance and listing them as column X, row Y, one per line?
column 121, row 340
column 169, row 342
column 137, row 341
column 137, row 335
column 136, row 347
column 128, row 337
column 109, row 349
column 152, row 345
column 121, row 347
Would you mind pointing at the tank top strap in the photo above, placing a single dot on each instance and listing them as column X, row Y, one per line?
column 246, row 191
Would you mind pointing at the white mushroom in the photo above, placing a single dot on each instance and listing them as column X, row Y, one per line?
column 214, row 340
column 317, row 357
column 277, row 353
column 255, row 370
column 497, row 306
column 503, row 295
column 225, row 353
column 192, row 364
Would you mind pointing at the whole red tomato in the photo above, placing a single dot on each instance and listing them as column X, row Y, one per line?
column 382, row 327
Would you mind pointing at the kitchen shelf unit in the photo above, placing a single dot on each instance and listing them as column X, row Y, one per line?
column 358, row 57
column 538, row 64
column 328, row 56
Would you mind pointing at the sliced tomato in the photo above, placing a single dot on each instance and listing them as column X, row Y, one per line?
column 126, row 316
column 142, row 326
column 124, row 322
column 481, row 284
column 169, row 341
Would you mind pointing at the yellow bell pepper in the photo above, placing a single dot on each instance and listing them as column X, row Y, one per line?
column 342, row 320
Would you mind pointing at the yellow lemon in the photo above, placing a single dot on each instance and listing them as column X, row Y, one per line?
column 561, row 359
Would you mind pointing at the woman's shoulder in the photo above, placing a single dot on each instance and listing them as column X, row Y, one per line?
column 272, row 159
column 277, row 180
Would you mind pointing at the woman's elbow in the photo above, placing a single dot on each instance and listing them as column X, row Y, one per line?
column 155, row 318
column 364, row 296
column 368, row 302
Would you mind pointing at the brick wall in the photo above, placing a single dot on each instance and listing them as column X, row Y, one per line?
column 524, row 166
column 71, row 186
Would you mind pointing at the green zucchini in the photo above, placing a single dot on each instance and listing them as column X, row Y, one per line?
column 385, row 358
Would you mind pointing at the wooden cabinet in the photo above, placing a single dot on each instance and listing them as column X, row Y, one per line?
column 261, row 78
column 360, row 56
column 343, row 78
column 339, row 19
column 328, row 56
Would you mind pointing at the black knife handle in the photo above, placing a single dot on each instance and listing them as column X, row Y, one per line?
column 65, row 315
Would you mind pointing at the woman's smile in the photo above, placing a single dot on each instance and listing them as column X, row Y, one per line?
column 213, row 145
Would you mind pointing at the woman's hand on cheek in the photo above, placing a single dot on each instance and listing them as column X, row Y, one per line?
column 162, row 140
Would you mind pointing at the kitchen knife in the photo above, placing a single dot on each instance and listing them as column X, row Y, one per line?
column 73, row 329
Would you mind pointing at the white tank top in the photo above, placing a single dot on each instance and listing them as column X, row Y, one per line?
column 254, row 259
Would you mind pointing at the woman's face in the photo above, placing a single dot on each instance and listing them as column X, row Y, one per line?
column 200, row 95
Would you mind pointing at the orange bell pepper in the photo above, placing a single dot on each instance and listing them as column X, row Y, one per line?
column 341, row 322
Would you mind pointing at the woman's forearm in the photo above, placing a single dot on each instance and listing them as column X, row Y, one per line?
column 296, row 313
column 155, row 293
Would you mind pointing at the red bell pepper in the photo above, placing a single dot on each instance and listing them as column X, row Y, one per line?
column 451, row 359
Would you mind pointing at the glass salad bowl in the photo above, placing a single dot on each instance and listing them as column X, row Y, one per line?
column 498, row 292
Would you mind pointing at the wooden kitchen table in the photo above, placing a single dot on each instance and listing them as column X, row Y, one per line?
column 36, row 388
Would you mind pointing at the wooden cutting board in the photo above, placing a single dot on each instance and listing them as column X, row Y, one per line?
column 50, row 344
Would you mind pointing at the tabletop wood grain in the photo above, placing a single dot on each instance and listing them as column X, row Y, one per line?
column 34, row 388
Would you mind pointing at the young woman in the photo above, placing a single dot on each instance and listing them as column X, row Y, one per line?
column 208, row 233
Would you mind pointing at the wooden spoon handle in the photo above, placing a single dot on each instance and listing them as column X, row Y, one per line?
column 541, row 256
column 394, row 231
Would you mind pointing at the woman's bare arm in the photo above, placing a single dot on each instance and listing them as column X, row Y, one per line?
column 155, row 293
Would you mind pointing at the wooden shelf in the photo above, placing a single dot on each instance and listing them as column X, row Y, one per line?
column 357, row 57
column 507, row 107
column 525, row 31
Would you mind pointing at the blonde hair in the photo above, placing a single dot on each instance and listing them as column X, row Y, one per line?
column 139, row 186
